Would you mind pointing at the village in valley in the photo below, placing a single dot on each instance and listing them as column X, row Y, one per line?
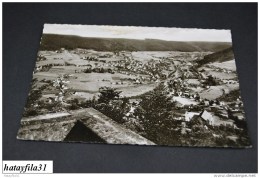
column 169, row 97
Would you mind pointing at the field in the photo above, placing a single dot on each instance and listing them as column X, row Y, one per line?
column 229, row 65
column 133, row 73
column 215, row 92
column 152, row 93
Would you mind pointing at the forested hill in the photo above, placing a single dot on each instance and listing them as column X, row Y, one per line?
column 220, row 56
column 55, row 42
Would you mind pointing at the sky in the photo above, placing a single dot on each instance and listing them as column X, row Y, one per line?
column 131, row 32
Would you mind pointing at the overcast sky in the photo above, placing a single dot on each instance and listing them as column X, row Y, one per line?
column 130, row 32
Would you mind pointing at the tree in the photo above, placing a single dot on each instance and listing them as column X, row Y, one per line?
column 74, row 104
column 107, row 94
column 211, row 81
column 61, row 85
column 155, row 115
column 33, row 99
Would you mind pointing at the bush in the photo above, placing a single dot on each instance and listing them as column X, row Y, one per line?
column 108, row 94
column 29, row 112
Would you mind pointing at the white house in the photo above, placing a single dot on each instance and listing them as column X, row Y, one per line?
column 189, row 115
column 207, row 117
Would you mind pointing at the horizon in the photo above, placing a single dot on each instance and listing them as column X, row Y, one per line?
column 140, row 33
column 137, row 39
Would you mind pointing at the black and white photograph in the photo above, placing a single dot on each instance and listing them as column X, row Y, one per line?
column 135, row 85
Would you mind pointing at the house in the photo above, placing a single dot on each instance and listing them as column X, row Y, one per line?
column 135, row 101
column 197, row 121
column 190, row 115
column 228, row 122
column 222, row 103
column 207, row 117
column 206, row 102
column 238, row 115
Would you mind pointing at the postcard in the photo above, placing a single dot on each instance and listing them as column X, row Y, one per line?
column 135, row 85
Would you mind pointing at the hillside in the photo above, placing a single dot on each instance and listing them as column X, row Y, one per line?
column 220, row 56
column 55, row 42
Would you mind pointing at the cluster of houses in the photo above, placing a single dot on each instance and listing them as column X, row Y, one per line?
column 41, row 58
column 60, row 51
column 213, row 112
column 178, row 87
column 90, row 58
column 46, row 67
column 60, row 85
column 218, row 69
column 229, row 81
